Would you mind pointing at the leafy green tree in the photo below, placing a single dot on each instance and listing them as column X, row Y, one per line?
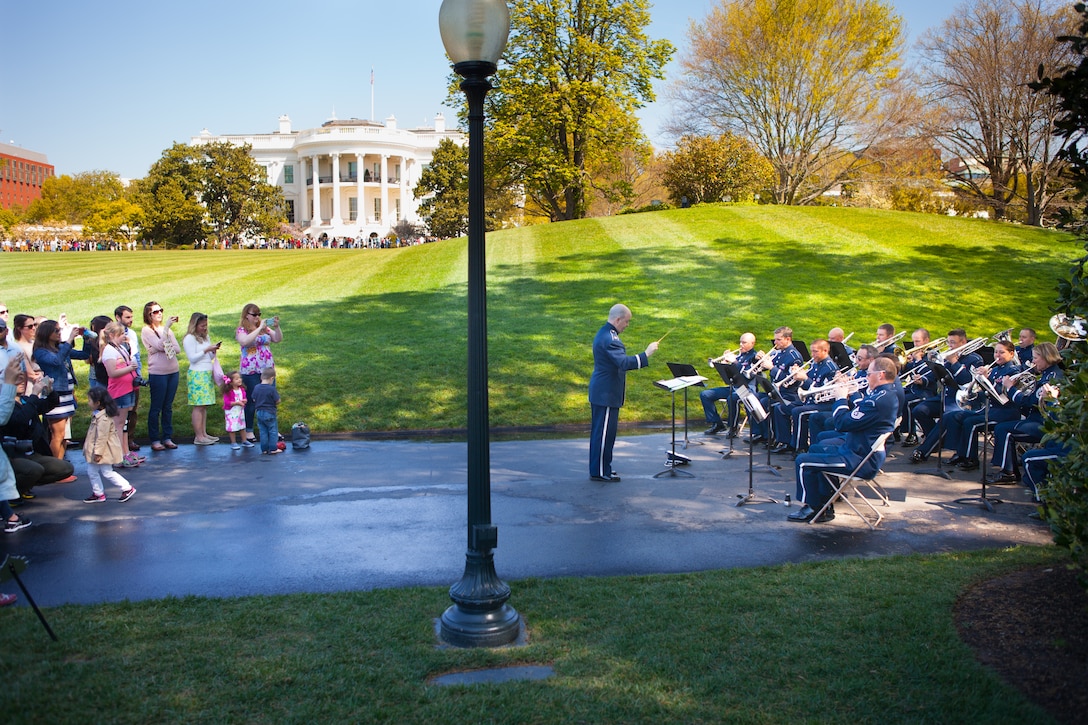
column 575, row 72
column 807, row 81
column 120, row 220
column 170, row 198
column 443, row 186
column 1065, row 491
column 72, row 199
column 235, row 190
column 704, row 169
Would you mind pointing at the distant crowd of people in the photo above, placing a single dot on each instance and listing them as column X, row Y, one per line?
column 38, row 395
column 324, row 242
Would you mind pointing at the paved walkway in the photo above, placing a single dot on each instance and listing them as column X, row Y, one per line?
column 349, row 515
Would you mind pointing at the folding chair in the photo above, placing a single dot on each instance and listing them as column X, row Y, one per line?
column 843, row 484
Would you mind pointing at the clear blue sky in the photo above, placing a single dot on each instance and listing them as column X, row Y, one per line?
column 110, row 85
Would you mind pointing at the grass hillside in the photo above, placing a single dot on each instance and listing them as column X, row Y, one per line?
column 375, row 339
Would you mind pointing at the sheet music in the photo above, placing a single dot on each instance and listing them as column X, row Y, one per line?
column 684, row 381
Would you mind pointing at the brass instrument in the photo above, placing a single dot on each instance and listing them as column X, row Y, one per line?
column 791, row 380
column 729, row 356
column 1069, row 327
column 824, row 393
column 1003, row 336
column 763, row 362
column 1026, row 379
column 965, row 349
column 883, row 345
column 929, row 347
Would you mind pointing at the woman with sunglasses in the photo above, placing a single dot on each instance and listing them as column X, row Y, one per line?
column 54, row 356
column 24, row 328
column 162, row 374
column 255, row 336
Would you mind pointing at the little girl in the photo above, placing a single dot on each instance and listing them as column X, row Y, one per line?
column 102, row 447
column 234, row 408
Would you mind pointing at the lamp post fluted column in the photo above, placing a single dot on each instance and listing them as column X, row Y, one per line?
column 479, row 615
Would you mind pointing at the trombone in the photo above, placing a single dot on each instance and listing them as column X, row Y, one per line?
column 883, row 345
column 966, row 349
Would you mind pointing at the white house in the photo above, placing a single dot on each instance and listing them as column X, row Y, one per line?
column 349, row 178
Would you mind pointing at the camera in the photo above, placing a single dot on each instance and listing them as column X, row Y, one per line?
column 15, row 447
column 141, row 382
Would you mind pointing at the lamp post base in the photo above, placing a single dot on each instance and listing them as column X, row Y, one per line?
column 479, row 616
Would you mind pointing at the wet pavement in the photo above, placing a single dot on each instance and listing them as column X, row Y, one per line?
column 356, row 515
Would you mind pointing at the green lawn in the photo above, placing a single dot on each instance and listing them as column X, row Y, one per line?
column 375, row 339
column 850, row 641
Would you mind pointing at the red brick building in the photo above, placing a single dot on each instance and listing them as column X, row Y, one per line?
column 22, row 174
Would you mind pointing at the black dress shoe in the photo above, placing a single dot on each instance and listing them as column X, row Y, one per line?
column 734, row 432
column 917, row 457
column 755, row 439
column 715, row 428
column 802, row 515
column 1002, row 477
column 610, row 479
column 826, row 516
column 782, row 448
column 956, row 459
column 967, row 465
column 910, row 441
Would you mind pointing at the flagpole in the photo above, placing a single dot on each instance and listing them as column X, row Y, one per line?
column 371, row 93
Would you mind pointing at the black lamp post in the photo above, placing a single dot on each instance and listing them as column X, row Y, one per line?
column 474, row 33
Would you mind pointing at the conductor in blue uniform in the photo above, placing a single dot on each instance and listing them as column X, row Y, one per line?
column 607, row 387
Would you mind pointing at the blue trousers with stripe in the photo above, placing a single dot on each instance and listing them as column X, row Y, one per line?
column 602, row 437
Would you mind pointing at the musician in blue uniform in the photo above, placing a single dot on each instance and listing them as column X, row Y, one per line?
column 791, row 419
column 1045, row 359
column 1025, row 344
column 710, row 397
column 607, row 388
column 780, row 364
column 873, row 416
column 963, row 426
column 920, row 385
column 822, row 423
column 836, row 334
column 928, row 412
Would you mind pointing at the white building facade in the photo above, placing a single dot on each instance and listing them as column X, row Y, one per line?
column 349, row 178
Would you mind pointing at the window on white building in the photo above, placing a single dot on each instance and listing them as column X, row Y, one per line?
column 288, row 174
column 353, row 171
column 290, row 210
column 353, row 208
column 396, row 211
column 377, row 210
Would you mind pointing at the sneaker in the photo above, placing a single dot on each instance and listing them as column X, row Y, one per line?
column 212, row 439
column 27, row 495
column 6, row 599
column 70, row 479
column 130, row 463
column 126, row 495
column 10, row 527
column 95, row 498
column 235, row 447
column 247, row 443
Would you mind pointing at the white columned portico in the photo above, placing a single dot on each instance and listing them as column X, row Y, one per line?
column 336, row 218
column 360, row 203
column 404, row 162
column 300, row 209
column 385, row 189
column 315, row 220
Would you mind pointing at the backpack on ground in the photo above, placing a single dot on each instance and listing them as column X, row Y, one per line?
column 300, row 436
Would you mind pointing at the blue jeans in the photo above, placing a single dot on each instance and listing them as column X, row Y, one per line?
column 163, row 390
column 269, row 430
column 251, row 381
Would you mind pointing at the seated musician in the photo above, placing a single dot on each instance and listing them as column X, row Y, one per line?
column 710, row 397
column 873, row 416
column 836, row 334
column 1036, row 463
column 792, row 417
column 897, row 384
column 1025, row 345
column 1045, row 359
column 821, row 422
column 927, row 413
column 884, row 334
column 921, row 384
column 963, row 426
column 779, row 364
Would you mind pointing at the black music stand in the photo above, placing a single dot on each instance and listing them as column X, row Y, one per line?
column 840, row 356
column 755, row 410
column 764, row 383
column 683, row 370
column 675, row 459
column 945, row 382
column 991, row 392
column 733, row 377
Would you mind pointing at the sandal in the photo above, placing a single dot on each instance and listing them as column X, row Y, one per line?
column 158, row 446
column 170, row 444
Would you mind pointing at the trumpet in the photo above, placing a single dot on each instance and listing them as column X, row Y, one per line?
column 824, row 393
column 763, row 362
column 728, row 356
column 789, row 382
column 966, row 349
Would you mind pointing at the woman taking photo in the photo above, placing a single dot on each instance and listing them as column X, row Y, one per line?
column 54, row 357
column 201, row 388
column 255, row 337
column 23, row 332
column 162, row 374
